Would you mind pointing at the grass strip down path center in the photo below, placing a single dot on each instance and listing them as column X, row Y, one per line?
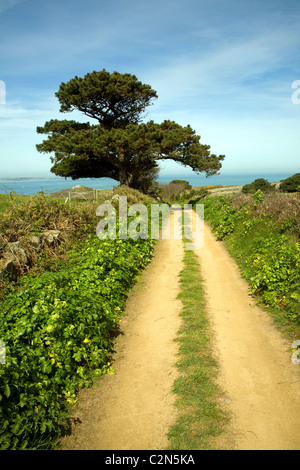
column 200, row 418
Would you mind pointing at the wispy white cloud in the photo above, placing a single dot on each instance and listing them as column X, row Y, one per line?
column 226, row 67
column 15, row 116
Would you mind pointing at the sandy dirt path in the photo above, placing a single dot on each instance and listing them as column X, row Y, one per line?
column 133, row 409
column 260, row 384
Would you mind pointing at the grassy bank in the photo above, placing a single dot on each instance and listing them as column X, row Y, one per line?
column 24, row 216
column 9, row 201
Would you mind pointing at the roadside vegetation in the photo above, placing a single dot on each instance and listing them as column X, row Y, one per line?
column 258, row 184
column 200, row 417
column 10, row 200
column 291, row 184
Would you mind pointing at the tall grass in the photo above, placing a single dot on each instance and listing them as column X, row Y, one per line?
column 283, row 208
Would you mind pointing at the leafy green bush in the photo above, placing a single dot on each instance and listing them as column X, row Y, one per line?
column 274, row 273
column 291, row 184
column 221, row 215
column 265, row 249
column 58, row 329
column 259, row 183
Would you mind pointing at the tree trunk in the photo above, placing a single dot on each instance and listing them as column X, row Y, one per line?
column 125, row 177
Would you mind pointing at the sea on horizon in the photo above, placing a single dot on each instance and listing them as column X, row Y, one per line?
column 51, row 185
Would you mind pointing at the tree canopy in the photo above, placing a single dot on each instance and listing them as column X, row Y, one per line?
column 118, row 145
column 114, row 100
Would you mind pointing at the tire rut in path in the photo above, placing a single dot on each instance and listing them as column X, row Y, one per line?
column 256, row 371
column 133, row 409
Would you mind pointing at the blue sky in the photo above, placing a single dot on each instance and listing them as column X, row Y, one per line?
column 226, row 67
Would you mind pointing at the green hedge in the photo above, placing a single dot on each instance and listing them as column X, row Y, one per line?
column 58, row 331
